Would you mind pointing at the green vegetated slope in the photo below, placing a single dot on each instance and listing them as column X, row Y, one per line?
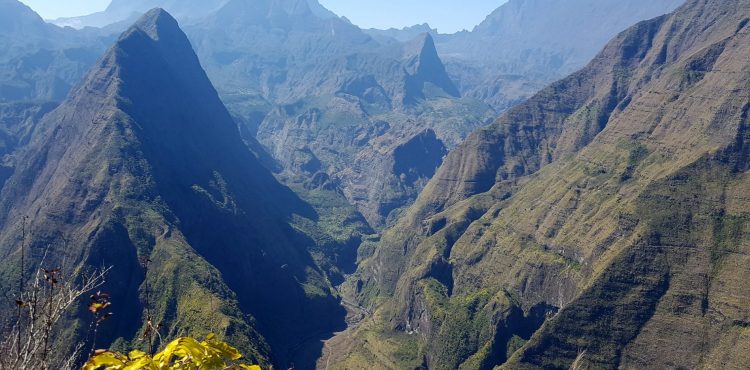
column 601, row 224
column 143, row 165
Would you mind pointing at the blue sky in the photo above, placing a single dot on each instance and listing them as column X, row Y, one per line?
column 446, row 15
column 65, row 8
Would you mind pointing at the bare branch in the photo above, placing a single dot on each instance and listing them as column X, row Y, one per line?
column 41, row 306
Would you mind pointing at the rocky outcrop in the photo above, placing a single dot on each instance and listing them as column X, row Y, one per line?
column 389, row 175
column 426, row 76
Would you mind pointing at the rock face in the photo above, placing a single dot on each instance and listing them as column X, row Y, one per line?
column 143, row 162
column 390, row 174
column 601, row 224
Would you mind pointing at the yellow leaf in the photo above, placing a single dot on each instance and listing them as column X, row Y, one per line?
column 164, row 357
column 135, row 355
column 183, row 354
column 144, row 363
column 224, row 349
column 106, row 360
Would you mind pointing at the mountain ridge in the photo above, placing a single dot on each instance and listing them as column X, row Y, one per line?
column 186, row 11
column 578, row 219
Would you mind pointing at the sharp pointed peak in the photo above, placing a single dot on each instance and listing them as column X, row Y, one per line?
column 423, row 64
column 157, row 22
column 423, row 39
column 420, row 45
column 290, row 7
column 156, row 38
column 158, row 28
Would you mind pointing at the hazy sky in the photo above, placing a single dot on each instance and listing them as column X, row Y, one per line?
column 446, row 15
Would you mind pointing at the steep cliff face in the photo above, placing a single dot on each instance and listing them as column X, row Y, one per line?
column 556, row 122
column 18, row 123
column 599, row 224
column 388, row 175
column 143, row 162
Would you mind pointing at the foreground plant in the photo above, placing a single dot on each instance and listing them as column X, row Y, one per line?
column 183, row 353
column 27, row 344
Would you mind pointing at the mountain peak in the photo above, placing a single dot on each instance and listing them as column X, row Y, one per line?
column 16, row 16
column 422, row 45
column 424, row 67
column 289, row 8
column 157, row 35
column 156, row 22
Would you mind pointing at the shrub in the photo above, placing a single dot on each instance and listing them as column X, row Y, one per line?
column 183, row 353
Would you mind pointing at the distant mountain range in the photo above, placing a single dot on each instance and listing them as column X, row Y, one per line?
column 527, row 44
column 39, row 60
column 185, row 10
column 265, row 55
